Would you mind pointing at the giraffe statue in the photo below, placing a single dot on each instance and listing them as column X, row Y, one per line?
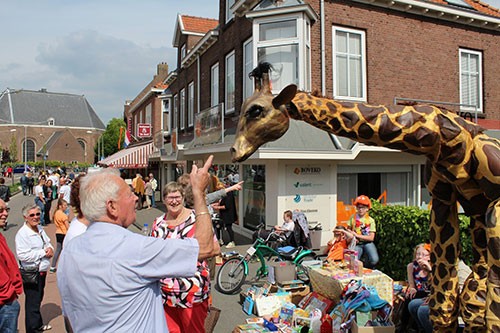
column 463, row 165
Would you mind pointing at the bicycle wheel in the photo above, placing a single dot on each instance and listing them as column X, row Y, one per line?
column 231, row 276
column 302, row 272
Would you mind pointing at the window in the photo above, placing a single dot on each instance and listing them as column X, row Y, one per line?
column 51, row 122
column 214, row 86
column 191, row 104
column 165, row 115
column 81, row 142
column 175, row 113
column 349, row 64
column 182, row 108
column 247, row 68
column 229, row 13
column 29, row 150
column 284, row 44
column 254, row 197
column 230, row 81
column 471, row 78
column 183, row 51
column 148, row 114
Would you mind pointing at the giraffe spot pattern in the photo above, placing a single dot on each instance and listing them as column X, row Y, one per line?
column 334, row 124
column 427, row 109
column 370, row 113
column 399, row 146
column 493, row 164
column 447, row 129
column 365, row 131
column 421, row 137
column 332, row 107
column 494, row 250
column 473, row 129
column 480, row 238
column 349, row 118
column 451, row 251
column 410, row 118
column 387, row 129
column 454, row 155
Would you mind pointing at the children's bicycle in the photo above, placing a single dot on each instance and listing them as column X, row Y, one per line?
column 232, row 274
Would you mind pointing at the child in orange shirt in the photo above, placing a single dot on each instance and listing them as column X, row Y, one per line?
column 341, row 241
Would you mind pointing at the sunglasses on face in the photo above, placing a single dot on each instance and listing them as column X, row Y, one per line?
column 35, row 214
column 4, row 209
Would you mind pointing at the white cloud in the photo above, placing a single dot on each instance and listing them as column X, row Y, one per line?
column 105, row 50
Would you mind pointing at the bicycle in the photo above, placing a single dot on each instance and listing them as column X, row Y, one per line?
column 232, row 274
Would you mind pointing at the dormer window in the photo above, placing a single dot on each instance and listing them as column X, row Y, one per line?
column 229, row 13
column 51, row 122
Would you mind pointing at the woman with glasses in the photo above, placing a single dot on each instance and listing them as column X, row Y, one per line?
column 185, row 300
column 363, row 229
column 34, row 249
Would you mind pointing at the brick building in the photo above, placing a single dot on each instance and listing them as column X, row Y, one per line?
column 370, row 51
column 58, row 126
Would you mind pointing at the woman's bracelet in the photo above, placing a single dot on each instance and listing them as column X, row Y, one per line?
column 200, row 214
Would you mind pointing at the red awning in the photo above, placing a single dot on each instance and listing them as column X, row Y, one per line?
column 129, row 158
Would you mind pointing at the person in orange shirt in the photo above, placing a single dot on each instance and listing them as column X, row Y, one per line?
column 341, row 240
column 61, row 221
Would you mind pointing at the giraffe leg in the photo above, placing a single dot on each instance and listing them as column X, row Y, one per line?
column 444, row 235
column 493, row 294
column 473, row 295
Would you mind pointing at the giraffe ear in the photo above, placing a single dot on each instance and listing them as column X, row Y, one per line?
column 285, row 96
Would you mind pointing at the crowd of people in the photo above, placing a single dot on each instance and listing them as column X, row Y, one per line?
column 159, row 283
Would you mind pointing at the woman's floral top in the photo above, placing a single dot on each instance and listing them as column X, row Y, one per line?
column 182, row 292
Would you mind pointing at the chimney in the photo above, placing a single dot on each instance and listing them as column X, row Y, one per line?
column 44, row 90
column 162, row 69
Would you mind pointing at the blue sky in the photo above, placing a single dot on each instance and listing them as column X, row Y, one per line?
column 106, row 50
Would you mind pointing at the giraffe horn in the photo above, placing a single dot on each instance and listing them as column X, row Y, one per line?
column 257, row 83
column 266, row 83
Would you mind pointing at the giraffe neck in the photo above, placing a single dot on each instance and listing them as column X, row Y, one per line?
column 418, row 130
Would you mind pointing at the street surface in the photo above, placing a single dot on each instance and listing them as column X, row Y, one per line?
column 231, row 314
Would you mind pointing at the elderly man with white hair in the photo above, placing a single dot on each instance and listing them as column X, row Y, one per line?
column 108, row 277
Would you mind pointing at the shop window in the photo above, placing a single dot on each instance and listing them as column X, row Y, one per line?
column 254, row 195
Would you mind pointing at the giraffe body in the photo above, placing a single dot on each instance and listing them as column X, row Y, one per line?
column 463, row 165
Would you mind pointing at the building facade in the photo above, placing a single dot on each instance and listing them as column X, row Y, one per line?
column 378, row 52
column 49, row 125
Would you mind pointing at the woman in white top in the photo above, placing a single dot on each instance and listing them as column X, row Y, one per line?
column 33, row 248
column 40, row 197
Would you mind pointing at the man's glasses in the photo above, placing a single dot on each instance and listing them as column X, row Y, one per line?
column 4, row 209
column 35, row 214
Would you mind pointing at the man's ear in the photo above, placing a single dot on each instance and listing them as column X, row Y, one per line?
column 285, row 96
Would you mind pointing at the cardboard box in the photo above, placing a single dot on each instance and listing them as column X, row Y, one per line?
column 375, row 329
column 281, row 271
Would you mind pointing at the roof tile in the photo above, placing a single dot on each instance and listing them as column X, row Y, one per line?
column 198, row 24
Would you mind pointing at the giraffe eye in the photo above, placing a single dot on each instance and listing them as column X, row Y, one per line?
column 254, row 111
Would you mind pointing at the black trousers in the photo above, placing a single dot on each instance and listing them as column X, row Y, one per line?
column 34, row 296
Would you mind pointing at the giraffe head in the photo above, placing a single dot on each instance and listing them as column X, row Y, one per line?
column 263, row 117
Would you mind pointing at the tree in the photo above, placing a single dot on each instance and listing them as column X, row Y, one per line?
column 13, row 148
column 110, row 137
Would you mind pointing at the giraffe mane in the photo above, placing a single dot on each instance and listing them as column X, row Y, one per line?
column 258, row 72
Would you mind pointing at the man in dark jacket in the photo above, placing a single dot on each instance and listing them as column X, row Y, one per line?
column 4, row 190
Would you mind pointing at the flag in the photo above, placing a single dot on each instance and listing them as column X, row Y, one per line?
column 126, row 141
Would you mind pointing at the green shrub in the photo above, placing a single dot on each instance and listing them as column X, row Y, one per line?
column 400, row 229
